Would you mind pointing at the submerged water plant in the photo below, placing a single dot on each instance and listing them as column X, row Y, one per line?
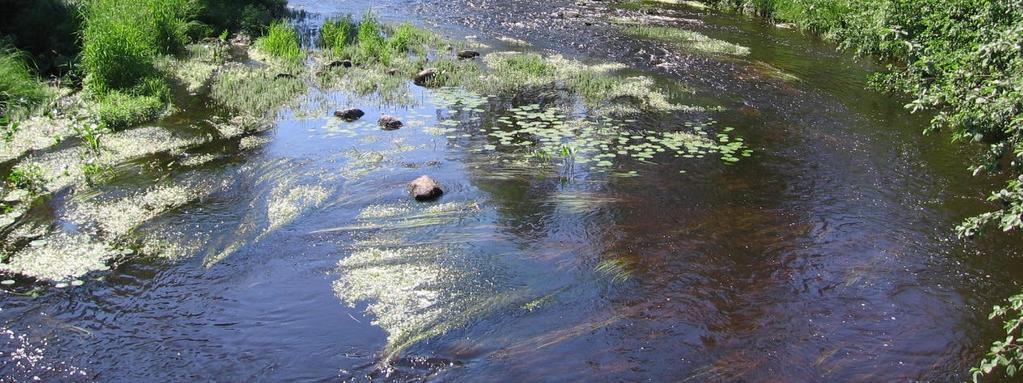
column 685, row 39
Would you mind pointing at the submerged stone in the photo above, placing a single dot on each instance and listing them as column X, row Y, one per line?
column 465, row 55
column 350, row 114
column 387, row 122
column 424, row 76
column 425, row 188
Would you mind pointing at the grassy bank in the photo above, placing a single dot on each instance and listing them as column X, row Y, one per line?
column 963, row 59
column 20, row 90
column 111, row 48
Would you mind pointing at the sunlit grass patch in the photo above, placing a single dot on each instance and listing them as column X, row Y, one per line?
column 196, row 65
column 119, row 110
column 685, row 39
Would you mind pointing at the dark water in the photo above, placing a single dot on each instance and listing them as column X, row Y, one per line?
column 828, row 256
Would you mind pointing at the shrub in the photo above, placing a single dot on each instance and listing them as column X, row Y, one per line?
column 281, row 41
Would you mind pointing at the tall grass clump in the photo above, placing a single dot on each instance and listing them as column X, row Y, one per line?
column 371, row 42
column 281, row 41
column 20, row 90
column 337, row 34
column 121, row 39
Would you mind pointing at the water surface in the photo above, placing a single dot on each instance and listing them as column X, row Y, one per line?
column 827, row 256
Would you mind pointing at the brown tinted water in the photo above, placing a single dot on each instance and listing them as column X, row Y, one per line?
column 828, row 255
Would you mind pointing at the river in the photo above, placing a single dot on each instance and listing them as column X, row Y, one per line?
column 828, row 255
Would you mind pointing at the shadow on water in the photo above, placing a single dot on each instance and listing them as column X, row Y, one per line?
column 297, row 256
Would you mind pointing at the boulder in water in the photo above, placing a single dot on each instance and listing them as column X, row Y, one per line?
column 350, row 114
column 424, row 76
column 425, row 188
column 466, row 55
column 387, row 122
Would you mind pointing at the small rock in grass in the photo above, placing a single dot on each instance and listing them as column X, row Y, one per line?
column 424, row 76
column 350, row 114
column 425, row 188
column 389, row 122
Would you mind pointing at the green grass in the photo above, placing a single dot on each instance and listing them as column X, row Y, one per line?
column 369, row 41
column 281, row 41
column 337, row 34
column 20, row 90
column 122, row 39
column 118, row 110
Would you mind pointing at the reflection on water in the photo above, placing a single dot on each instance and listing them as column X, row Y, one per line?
column 296, row 254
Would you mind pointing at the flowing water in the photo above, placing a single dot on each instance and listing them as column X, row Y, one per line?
column 828, row 255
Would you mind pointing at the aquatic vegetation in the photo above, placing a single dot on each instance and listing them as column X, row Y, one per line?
column 118, row 217
column 685, row 39
column 512, row 72
column 415, row 293
column 617, row 269
column 287, row 202
column 61, row 257
column 646, row 5
column 514, row 42
column 372, row 82
column 254, row 91
column 281, row 42
column 544, row 131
